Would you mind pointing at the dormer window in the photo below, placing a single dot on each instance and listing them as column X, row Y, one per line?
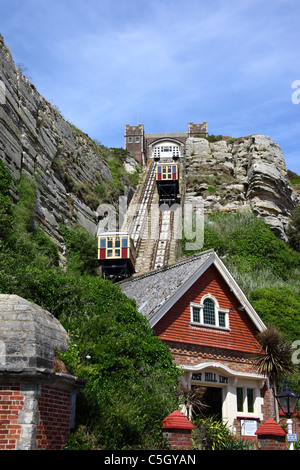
column 209, row 314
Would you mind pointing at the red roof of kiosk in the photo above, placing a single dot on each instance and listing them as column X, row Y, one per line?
column 177, row 420
column 270, row 427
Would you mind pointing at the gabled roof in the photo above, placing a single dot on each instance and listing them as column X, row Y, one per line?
column 157, row 291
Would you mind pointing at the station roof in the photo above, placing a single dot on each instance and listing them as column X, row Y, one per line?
column 157, row 291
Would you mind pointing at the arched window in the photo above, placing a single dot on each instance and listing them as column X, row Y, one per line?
column 208, row 313
column 209, row 317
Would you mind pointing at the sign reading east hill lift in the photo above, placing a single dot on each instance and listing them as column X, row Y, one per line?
column 209, row 377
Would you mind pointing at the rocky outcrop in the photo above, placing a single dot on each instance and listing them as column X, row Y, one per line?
column 65, row 163
column 245, row 174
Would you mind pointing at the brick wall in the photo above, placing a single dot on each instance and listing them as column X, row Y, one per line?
column 135, row 148
column 176, row 325
column 177, row 439
column 271, row 436
column 192, row 354
column 271, row 443
column 177, row 431
column 34, row 417
column 54, row 421
column 197, row 129
column 11, row 402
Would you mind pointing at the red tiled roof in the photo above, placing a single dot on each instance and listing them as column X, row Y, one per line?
column 270, row 427
column 177, row 420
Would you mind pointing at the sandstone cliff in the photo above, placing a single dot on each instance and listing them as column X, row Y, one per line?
column 247, row 173
column 73, row 174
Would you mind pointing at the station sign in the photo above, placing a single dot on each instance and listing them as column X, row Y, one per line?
column 209, row 377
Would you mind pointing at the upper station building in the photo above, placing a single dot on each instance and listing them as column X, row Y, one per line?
column 197, row 309
column 144, row 147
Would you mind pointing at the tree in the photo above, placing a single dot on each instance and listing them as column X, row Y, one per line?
column 276, row 357
column 131, row 378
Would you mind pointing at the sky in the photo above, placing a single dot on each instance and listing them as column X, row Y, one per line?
column 163, row 63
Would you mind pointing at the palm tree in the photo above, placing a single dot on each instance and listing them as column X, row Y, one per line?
column 275, row 359
column 192, row 398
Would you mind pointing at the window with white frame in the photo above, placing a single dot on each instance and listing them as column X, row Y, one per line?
column 245, row 399
column 208, row 313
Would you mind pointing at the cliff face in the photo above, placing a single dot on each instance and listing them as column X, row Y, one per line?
column 247, row 174
column 65, row 164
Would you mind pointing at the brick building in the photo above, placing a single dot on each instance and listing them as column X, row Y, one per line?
column 199, row 311
column 144, row 147
column 37, row 397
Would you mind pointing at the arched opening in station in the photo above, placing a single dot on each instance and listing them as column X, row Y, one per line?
column 166, row 150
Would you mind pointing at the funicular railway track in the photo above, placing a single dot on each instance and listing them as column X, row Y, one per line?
column 153, row 227
column 137, row 228
column 162, row 245
column 150, row 223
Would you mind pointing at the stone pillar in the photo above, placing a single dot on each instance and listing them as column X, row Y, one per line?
column 28, row 417
column 177, row 430
column 271, row 436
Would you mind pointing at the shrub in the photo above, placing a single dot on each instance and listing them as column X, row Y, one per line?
column 5, row 201
column 249, row 243
column 81, row 250
column 279, row 307
column 131, row 378
column 293, row 231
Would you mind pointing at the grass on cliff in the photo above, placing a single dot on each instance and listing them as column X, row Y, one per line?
column 100, row 190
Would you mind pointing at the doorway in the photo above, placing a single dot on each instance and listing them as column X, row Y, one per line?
column 213, row 400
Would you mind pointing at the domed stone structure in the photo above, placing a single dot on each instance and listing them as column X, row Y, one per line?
column 30, row 335
column 37, row 400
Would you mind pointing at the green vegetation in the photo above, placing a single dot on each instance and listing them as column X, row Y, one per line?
column 131, row 380
column 294, row 179
column 293, row 231
column 80, row 251
column 211, row 434
column 217, row 182
column 211, row 137
column 102, row 190
column 5, row 202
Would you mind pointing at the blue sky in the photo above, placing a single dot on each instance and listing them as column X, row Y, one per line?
column 107, row 63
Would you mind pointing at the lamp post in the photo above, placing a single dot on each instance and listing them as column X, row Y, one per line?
column 287, row 401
